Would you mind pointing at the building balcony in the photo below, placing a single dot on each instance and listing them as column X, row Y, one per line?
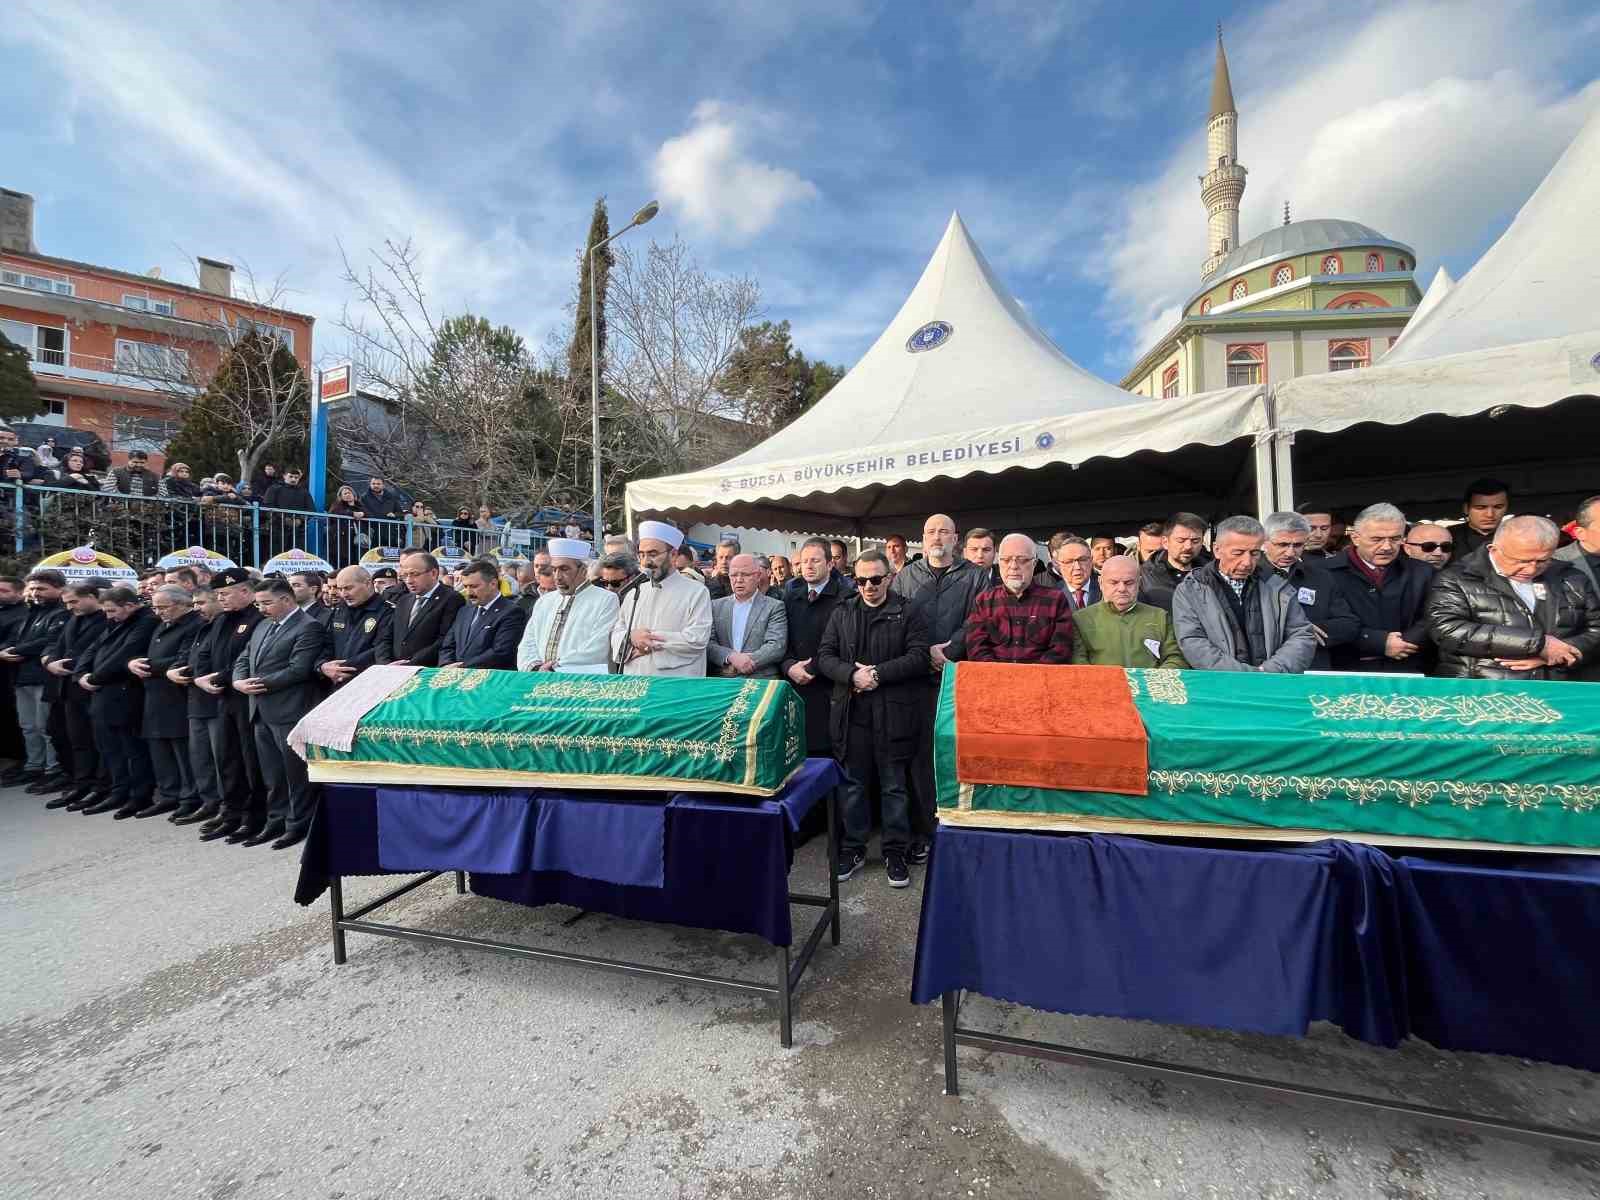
column 125, row 372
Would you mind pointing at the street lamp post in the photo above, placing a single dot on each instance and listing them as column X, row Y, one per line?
column 639, row 218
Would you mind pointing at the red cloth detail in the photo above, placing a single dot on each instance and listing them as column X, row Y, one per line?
column 1373, row 575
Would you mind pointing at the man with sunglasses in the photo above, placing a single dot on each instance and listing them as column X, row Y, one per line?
column 875, row 650
column 619, row 570
column 1430, row 543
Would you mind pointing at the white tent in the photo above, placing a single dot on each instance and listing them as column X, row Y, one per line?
column 964, row 405
column 1519, row 333
column 1442, row 283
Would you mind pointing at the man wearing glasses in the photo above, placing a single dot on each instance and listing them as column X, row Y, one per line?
column 1431, row 544
column 422, row 615
column 569, row 629
column 875, row 650
column 664, row 624
column 1386, row 590
column 1022, row 620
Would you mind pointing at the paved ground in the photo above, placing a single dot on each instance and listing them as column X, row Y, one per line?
column 171, row 1025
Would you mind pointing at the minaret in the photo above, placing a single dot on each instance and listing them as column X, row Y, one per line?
column 1223, row 183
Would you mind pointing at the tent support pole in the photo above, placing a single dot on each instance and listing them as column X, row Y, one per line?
column 1283, row 457
column 1264, row 481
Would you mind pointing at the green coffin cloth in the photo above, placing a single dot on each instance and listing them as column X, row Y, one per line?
column 1388, row 758
column 518, row 729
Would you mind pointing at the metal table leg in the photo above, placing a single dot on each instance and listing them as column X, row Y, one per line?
column 461, row 883
column 785, row 1000
column 336, row 907
column 833, row 874
column 951, row 1003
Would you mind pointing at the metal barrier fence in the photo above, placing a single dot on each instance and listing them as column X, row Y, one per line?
column 141, row 529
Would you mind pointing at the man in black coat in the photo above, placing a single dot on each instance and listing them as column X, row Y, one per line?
column 166, row 708
column 1183, row 549
column 12, row 614
column 201, row 709
column 359, row 626
column 36, row 688
column 117, row 702
column 379, row 504
column 1511, row 610
column 1387, row 591
column 422, row 615
column 283, row 530
column 808, row 601
column 1282, row 554
column 307, row 589
column 243, row 810
column 80, row 634
column 278, row 672
column 875, row 651
column 488, row 628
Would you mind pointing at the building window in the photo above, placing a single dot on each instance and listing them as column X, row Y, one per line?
column 1331, row 265
column 266, row 329
column 1358, row 300
column 1374, row 263
column 1205, row 306
column 1238, row 291
column 152, row 362
column 56, row 408
column 1247, row 365
column 1282, row 275
column 1404, row 266
column 150, row 434
column 1169, row 382
column 146, row 304
column 1349, row 355
column 39, row 283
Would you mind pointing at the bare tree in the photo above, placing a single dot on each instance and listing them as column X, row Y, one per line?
column 675, row 329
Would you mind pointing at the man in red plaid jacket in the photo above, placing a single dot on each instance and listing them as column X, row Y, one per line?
column 1020, row 621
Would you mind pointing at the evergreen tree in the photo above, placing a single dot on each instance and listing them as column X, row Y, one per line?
column 19, row 392
column 772, row 381
column 578, row 366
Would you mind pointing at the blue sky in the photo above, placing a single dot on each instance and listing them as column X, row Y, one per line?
column 818, row 147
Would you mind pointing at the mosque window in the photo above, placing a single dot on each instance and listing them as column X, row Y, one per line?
column 1404, row 266
column 1238, row 291
column 1332, row 266
column 1247, row 364
column 1282, row 275
column 1205, row 306
column 1169, row 382
column 1349, row 355
column 1374, row 262
column 1358, row 300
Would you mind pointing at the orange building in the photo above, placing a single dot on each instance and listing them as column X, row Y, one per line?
column 120, row 354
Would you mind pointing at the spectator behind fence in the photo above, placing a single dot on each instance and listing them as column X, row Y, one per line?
column 135, row 479
column 1386, row 591
column 1512, row 610
column 1121, row 632
column 75, row 473
column 1229, row 617
column 15, row 466
column 348, row 536
column 1022, row 620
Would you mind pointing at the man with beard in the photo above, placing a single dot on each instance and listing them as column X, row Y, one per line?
column 664, row 624
column 979, row 550
column 1184, row 535
column 488, row 627
column 570, row 628
column 243, row 809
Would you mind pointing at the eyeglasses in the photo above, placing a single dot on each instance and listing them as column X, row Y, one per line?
column 1431, row 547
column 614, row 584
column 871, row 580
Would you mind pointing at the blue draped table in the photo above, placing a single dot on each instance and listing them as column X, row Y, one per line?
column 723, row 864
column 1467, row 951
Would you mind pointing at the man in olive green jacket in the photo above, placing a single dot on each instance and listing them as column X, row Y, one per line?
column 1121, row 632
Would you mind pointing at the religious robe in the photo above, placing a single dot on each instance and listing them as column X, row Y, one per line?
column 581, row 638
column 677, row 608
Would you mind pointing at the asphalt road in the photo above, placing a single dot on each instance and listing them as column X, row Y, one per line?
column 172, row 1025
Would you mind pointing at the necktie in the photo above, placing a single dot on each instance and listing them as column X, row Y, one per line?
column 416, row 607
column 813, row 594
column 1077, row 601
column 272, row 632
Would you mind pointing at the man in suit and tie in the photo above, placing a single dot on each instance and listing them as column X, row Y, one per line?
column 359, row 626
column 488, row 628
column 278, row 672
column 307, row 588
column 749, row 629
column 242, row 810
column 1075, row 565
column 423, row 615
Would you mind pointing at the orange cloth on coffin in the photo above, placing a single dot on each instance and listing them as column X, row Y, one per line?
column 1066, row 728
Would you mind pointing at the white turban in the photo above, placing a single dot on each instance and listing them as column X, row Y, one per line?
column 660, row 531
column 570, row 548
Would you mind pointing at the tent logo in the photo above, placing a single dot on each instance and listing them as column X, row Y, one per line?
column 930, row 337
column 1045, row 440
column 1595, row 362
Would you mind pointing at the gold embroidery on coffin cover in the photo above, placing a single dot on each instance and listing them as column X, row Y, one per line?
column 1160, row 686
column 1453, row 710
column 599, row 687
column 1413, row 793
column 722, row 750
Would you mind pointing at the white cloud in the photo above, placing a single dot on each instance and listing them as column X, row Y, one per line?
column 1409, row 122
column 1014, row 37
column 709, row 179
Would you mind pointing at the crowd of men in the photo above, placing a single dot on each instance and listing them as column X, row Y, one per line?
column 177, row 697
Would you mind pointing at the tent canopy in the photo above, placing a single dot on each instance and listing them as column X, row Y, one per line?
column 963, row 405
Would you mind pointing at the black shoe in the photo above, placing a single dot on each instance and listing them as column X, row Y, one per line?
column 225, row 829
column 131, row 809
column 108, row 804
column 269, row 833
column 159, row 809
column 17, row 775
column 850, row 861
column 917, row 852
column 47, row 784
column 289, row 839
column 194, row 816
column 243, row 833
column 60, row 801
column 894, row 866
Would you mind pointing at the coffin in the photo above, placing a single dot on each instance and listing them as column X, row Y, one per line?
column 1394, row 760
column 517, row 729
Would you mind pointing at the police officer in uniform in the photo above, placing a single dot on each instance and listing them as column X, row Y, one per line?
column 359, row 626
